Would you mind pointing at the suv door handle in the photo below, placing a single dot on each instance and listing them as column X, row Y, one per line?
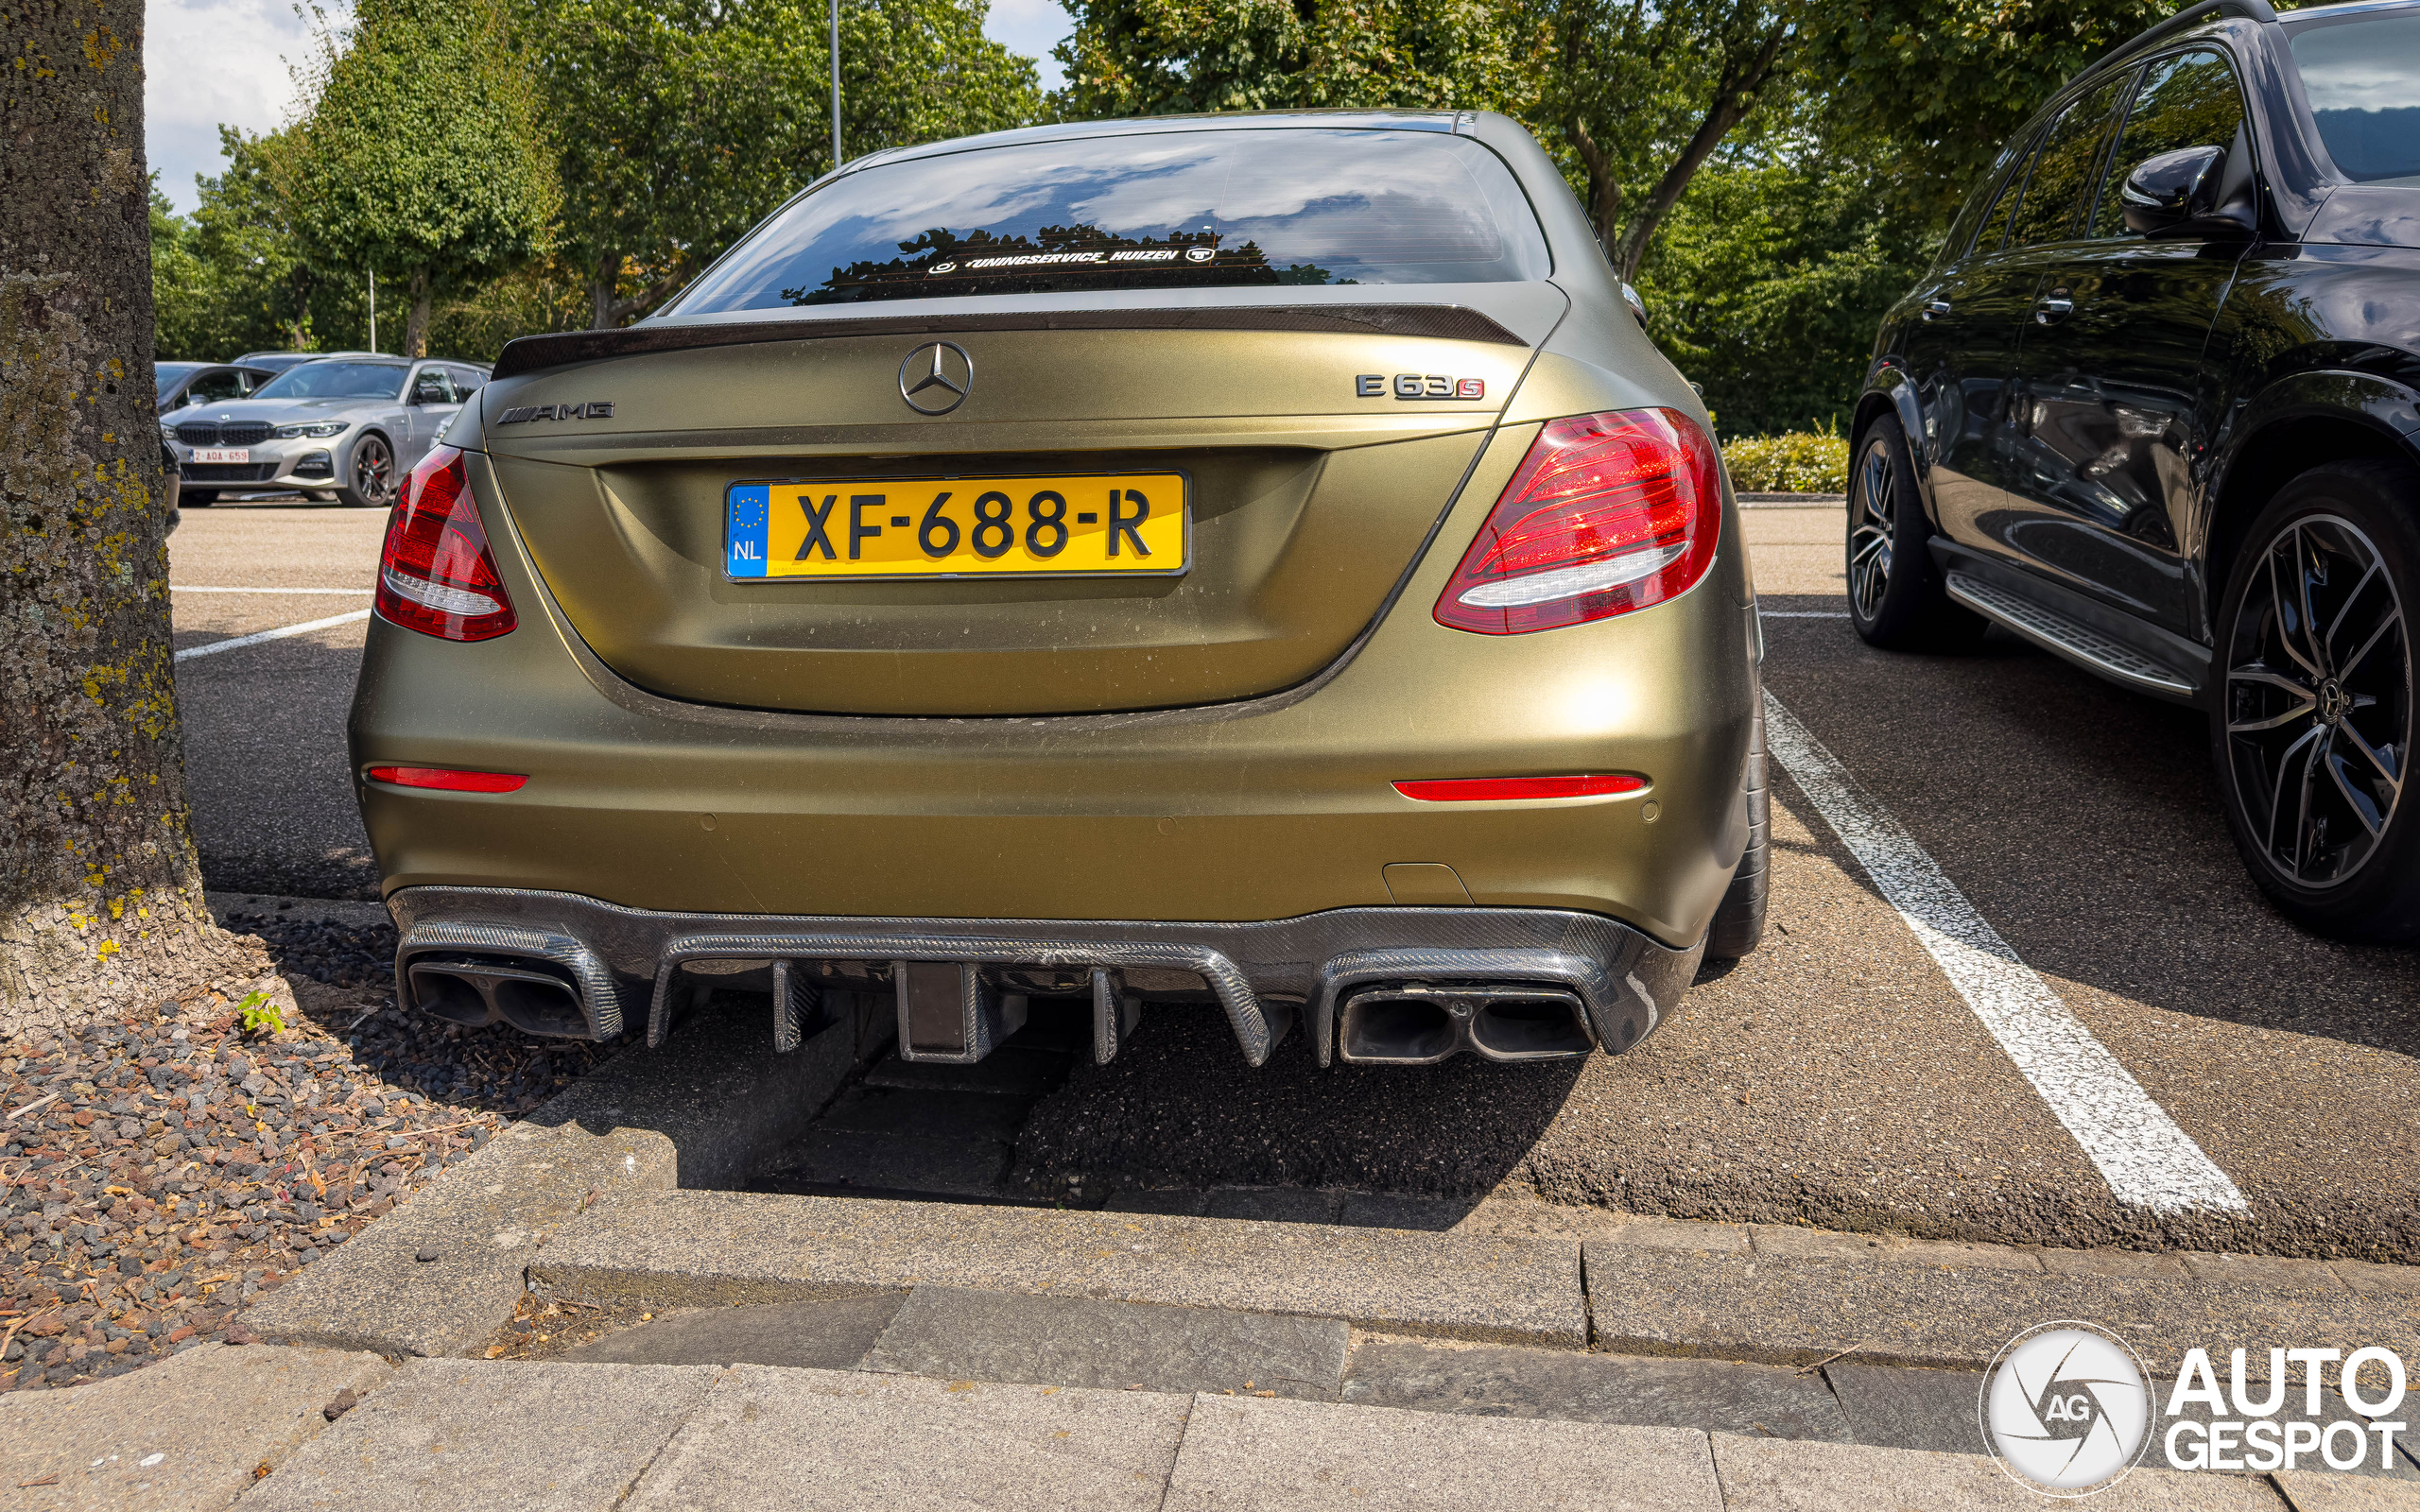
column 2052, row 308
column 1936, row 307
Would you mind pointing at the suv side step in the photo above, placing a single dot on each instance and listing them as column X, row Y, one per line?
column 2079, row 643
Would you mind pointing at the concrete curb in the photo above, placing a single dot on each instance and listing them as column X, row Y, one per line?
column 439, row 1274
column 704, row 1247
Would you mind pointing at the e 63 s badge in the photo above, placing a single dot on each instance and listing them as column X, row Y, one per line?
column 1418, row 386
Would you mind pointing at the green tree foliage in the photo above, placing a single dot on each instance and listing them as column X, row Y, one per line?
column 1945, row 83
column 1174, row 56
column 1639, row 95
column 232, row 278
column 681, row 123
column 422, row 156
column 1769, row 279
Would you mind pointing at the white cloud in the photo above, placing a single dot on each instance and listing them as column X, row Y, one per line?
column 208, row 63
column 1032, row 27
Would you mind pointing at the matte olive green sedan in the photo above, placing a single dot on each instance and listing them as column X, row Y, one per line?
column 1252, row 565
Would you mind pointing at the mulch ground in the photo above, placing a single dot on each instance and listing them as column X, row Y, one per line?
column 160, row 1171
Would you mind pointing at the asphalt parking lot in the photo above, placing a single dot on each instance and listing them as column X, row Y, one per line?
column 2108, row 1007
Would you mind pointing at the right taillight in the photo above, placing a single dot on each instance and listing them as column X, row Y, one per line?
column 436, row 575
column 1607, row 513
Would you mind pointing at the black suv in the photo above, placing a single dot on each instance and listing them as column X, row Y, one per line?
column 2157, row 407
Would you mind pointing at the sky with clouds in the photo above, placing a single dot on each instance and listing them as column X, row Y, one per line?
column 230, row 61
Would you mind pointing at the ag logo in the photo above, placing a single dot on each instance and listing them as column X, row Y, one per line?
column 2065, row 1409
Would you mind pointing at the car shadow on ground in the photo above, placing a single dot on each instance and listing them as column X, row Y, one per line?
column 1178, row 1108
column 2085, row 822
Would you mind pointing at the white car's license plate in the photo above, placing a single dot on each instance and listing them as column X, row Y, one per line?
column 222, row 453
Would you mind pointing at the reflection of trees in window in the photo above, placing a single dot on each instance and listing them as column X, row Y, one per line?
column 941, row 262
column 2185, row 101
column 2063, row 172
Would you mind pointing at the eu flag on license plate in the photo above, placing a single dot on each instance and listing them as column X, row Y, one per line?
column 744, row 535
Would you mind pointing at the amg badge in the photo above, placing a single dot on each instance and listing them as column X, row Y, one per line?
column 594, row 409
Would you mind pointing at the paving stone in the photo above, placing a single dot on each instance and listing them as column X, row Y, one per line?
column 2110, row 1262
column 691, row 1247
column 891, row 1162
column 855, row 1442
column 1077, row 1341
column 1783, row 1311
column 1281, row 1456
column 2323, row 1491
column 926, row 1115
column 1186, row 1203
column 1013, row 1070
column 1373, row 1209
column 1959, row 1254
column 1503, row 1381
column 2263, row 1270
column 1818, row 1243
column 1273, row 1204
column 2364, row 1276
column 186, row 1433
column 1773, row 1475
column 833, row 1333
column 446, row 1435
column 1896, row 1407
column 1670, row 1233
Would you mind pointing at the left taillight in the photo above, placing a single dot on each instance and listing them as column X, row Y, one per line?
column 1607, row 513
column 436, row 575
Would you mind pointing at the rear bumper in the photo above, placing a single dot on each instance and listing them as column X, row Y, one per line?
column 630, row 966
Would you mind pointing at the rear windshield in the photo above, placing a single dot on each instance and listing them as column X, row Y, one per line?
column 2363, row 78
column 1176, row 210
column 168, row 375
column 335, row 379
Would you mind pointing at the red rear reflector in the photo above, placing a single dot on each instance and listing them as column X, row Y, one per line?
column 447, row 778
column 436, row 575
column 1480, row 789
column 1606, row 514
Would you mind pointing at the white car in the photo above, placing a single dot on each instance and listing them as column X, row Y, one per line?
column 345, row 428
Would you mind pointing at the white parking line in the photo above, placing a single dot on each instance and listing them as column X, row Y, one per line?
column 188, row 588
column 278, row 634
column 2147, row 1160
column 1802, row 613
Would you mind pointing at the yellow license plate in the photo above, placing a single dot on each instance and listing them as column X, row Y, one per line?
column 1088, row 525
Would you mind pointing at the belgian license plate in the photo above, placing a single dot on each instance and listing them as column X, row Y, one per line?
column 1043, row 525
column 222, row 453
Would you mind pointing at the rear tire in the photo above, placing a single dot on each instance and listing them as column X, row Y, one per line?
column 2316, row 720
column 196, row 498
column 1739, row 922
column 370, row 474
column 1896, row 599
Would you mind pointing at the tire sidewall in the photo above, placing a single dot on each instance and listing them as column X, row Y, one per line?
column 2381, row 901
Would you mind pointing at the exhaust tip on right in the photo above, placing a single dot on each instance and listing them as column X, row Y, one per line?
column 1420, row 1026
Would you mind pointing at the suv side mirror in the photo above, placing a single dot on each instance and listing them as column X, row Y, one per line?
column 2176, row 193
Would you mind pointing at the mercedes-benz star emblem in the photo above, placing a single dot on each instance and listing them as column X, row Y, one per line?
column 935, row 378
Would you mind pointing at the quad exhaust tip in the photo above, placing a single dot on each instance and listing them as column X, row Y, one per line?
column 1420, row 1025
column 476, row 992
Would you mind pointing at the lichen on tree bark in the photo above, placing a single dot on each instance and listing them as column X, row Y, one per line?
column 101, row 892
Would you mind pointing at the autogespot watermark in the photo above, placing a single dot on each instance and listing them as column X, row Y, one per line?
column 2067, row 1409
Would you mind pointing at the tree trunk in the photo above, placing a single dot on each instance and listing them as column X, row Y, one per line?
column 100, row 893
column 1733, row 96
column 416, row 328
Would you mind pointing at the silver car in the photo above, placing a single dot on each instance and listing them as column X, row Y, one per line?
column 344, row 428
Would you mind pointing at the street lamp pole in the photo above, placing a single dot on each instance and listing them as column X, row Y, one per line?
column 835, row 83
column 374, row 309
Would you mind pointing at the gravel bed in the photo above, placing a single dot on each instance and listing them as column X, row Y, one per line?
column 160, row 1171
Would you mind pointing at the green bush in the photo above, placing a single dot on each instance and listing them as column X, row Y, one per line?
column 1801, row 463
